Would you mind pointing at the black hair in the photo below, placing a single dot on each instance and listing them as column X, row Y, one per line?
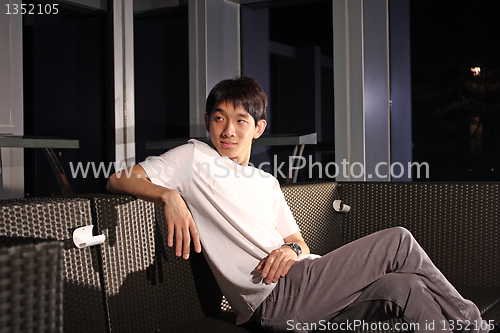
column 240, row 91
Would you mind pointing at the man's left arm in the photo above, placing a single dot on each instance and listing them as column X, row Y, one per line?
column 278, row 262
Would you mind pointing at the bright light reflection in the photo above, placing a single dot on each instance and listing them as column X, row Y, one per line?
column 475, row 70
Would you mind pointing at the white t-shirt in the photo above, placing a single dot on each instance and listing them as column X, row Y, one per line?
column 239, row 212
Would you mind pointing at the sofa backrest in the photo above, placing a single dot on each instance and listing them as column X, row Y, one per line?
column 312, row 206
column 457, row 224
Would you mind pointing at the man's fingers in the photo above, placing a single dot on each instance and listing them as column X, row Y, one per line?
column 266, row 271
column 276, row 269
column 261, row 264
column 196, row 238
column 183, row 235
column 170, row 234
column 267, row 266
column 287, row 268
column 178, row 242
column 180, row 227
column 276, row 265
column 273, row 273
column 186, row 242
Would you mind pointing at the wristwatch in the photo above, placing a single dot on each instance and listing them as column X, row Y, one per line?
column 294, row 247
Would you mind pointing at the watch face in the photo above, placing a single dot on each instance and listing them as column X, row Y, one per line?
column 295, row 247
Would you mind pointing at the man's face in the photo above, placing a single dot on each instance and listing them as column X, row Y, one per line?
column 232, row 131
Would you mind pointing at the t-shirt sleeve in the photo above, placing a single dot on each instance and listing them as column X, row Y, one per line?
column 168, row 170
column 285, row 222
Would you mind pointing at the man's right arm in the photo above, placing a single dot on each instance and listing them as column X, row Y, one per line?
column 179, row 220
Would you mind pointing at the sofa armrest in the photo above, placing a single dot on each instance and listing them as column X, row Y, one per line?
column 56, row 218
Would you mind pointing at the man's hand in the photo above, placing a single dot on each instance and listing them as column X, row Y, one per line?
column 277, row 264
column 180, row 223
column 179, row 220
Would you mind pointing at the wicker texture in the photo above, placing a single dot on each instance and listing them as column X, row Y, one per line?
column 484, row 297
column 312, row 206
column 207, row 325
column 457, row 224
column 31, row 298
column 147, row 287
column 56, row 218
column 493, row 314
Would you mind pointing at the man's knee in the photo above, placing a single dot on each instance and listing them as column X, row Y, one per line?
column 399, row 232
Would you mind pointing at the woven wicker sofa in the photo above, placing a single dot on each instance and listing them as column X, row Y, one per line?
column 134, row 283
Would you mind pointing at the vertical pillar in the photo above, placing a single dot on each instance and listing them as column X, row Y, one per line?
column 214, row 52
column 11, row 100
column 348, row 71
column 123, row 41
column 361, row 84
column 376, row 90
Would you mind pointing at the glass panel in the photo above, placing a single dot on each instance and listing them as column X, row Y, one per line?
column 67, row 80
column 456, row 88
column 288, row 46
column 161, row 65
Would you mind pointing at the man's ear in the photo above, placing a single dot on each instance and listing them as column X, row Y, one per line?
column 261, row 126
column 207, row 122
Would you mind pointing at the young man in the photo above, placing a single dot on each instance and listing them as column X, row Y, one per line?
column 214, row 198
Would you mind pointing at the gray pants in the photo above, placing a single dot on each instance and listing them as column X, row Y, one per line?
column 381, row 276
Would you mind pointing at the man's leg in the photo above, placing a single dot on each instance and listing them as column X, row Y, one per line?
column 318, row 290
column 397, row 295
